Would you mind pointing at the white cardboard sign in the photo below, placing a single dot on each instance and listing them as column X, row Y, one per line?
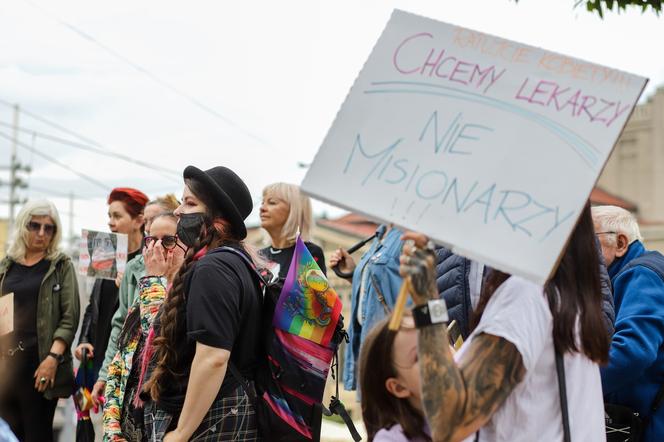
column 488, row 146
column 6, row 314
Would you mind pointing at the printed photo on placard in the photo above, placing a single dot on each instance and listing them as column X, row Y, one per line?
column 102, row 254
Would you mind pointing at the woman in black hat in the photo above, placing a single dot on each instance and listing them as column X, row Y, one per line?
column 209, row 320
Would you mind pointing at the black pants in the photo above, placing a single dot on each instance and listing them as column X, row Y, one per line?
column 28, row 413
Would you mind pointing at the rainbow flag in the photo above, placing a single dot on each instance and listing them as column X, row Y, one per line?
column 308, row 307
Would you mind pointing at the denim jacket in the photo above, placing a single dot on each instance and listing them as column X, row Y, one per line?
column 382, row 283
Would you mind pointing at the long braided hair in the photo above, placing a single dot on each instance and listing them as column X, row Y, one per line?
column 214, row 232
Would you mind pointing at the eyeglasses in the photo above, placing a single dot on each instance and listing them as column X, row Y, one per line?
column 167, row 241
column 606, row 233
column 33, row 226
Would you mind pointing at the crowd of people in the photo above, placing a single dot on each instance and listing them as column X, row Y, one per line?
column 173, row 339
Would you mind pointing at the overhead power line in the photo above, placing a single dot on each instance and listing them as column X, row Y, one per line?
column 196, row 102
column 62, row 194
column 97, row 150
column 54, row 161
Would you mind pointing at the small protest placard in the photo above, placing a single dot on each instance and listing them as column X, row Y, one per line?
column 102, row 254
column 488, row 146
column 6, row 314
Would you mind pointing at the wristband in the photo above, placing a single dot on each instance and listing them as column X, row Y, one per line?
column 58, row 357
column 433, row 312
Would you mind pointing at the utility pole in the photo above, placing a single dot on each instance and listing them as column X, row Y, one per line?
column 71, row 221
column 12, row 173
column 15, row 181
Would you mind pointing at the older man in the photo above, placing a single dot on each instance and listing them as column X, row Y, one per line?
column 635, row 372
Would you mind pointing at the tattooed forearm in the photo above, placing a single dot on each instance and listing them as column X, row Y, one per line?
column 444, row 392
column 459, row 400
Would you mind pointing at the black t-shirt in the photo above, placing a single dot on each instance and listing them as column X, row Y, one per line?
column 223, row 310
column 108, row 305
column 281, row 258
column 25, row 282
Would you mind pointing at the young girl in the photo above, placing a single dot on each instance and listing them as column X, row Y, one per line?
column 390, row 385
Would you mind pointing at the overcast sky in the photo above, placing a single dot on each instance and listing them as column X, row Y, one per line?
column 252, row 85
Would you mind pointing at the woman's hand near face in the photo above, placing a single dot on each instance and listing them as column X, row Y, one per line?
column 155, row 260
column 174, row 259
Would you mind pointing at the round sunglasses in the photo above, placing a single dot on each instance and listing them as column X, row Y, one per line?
column 167, row 241
column 34, row 226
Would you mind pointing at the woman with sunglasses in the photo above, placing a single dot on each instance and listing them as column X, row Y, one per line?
column 128, row 290
column 125, row 215
column 162, row 255
column 35, row 357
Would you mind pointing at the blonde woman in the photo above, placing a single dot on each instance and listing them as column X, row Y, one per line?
column 36, row 355
column 284, row 210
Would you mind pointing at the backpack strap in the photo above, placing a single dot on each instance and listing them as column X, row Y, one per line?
column 562, row 390
column 336, row 406
column 252, row 267
column 659, row 397
column 243, row 381
column 231, row 366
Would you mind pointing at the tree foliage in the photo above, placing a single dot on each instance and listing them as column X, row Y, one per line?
column 600, row 6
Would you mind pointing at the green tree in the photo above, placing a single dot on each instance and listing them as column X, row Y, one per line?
column 600, row 6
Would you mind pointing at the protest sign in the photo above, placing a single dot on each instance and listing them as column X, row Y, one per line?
column 102, row 254
column 6, row 314
column 488, row 146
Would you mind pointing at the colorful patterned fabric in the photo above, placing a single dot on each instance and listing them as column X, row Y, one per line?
column 152, row 294
column 308, row 306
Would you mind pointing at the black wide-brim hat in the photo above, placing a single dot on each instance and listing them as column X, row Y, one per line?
column 228, row 192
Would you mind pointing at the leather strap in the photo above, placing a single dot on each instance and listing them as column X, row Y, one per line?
column 560, row 369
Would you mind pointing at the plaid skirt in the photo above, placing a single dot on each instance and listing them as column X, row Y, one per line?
column 231, row 418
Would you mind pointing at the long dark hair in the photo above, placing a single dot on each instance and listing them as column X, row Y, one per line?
column 214, row 232
column 574, row 293
column 381, row 409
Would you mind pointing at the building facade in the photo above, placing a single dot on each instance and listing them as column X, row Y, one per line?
column 635, row 170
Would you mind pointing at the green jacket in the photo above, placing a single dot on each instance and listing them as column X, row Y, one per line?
column 58, row 313
column 127, row 296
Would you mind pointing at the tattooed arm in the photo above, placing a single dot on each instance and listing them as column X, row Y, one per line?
column 458, row 399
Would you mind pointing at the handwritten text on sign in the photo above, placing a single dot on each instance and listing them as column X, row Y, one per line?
column 486, row 145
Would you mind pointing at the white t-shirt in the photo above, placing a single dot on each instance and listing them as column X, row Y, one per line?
column 519, row 312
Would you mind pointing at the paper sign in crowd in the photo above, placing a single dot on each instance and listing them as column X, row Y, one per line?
column 6, row 314
column 488, row 146
column 102, row 254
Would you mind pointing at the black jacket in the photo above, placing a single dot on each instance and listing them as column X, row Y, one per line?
column 452, row 281
column 89, row 324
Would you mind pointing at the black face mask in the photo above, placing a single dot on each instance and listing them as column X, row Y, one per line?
column 189, row 228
